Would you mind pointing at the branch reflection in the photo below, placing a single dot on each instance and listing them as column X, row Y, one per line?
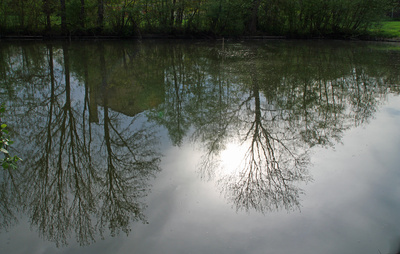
column 270, row 168
column 89, row 121
column 287, row 108
column 84, row 173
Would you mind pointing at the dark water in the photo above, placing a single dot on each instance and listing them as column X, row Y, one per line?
column 200, row 147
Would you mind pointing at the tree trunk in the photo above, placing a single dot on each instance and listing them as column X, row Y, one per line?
column 100, row 15
column 21, row 15
column 82, row 14
column 47, row 12
column 63, row 14
column 254, row 16
column 172, row 18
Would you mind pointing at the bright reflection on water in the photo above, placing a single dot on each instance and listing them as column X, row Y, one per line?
column 198, row 147
column 231, row 158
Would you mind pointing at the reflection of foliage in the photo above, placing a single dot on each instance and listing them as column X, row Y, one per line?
column 70, row 184
column 292, row 113
column 88, row 164
column 7, row 181
column 173, row 114
column 267, row 174
column 130, row 160
column 9, row 197
column 270, row 167
column 60, row 166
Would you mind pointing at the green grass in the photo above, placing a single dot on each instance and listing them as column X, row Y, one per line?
column 388, row 29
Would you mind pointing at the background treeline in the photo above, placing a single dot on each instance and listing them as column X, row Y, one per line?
column 192, row 17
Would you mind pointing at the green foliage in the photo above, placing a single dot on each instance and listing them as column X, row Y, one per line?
column 225, row 16
column 8, row 161
column 219, row 17
column 73, row 10
column 20, row 15
column 321, row 17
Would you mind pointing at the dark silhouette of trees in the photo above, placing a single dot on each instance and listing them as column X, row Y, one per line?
column 218, row 17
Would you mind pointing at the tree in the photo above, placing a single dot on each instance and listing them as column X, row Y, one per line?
column 254, row 16
column 63, row 14
column 100, row 15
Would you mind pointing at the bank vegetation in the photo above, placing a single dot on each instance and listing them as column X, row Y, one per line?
column 204, row 18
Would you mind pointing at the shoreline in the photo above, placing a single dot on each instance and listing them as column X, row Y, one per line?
column 185, row 37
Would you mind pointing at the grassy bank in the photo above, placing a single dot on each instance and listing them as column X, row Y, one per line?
column 387, row 29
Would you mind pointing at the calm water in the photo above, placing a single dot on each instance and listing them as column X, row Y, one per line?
column 199, row 147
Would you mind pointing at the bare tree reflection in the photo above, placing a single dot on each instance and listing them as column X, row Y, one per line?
column 61, row 166
column 172, row 113
column 278, row 132
column 271, row 167
column 131, row 159
column 81, row 179
column 90, row 151
column 10, row 197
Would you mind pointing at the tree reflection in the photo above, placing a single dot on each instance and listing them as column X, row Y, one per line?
column 131, row 159
column 279, row 118
column 60, row 166
column 172, row 113
column 10, row 197
column 80, row 179
column 271, row 166
column 90, row 142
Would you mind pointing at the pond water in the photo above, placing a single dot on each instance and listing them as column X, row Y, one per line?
column 201, row 147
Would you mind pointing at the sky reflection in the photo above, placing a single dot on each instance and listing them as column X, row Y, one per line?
column 176, row 148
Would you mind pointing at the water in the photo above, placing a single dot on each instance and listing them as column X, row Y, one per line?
column 201, row 147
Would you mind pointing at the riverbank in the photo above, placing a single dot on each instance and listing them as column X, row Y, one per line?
column 174, row 37
column 144, row 37
column 384, row 31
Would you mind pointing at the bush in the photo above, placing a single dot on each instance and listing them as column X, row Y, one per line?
column 8, row 160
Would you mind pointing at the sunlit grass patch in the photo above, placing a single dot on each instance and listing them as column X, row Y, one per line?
column 390, row 29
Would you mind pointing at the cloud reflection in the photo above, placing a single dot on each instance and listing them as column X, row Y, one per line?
column 88, row 121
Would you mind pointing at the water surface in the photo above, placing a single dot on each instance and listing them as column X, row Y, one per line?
column 201, row 147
